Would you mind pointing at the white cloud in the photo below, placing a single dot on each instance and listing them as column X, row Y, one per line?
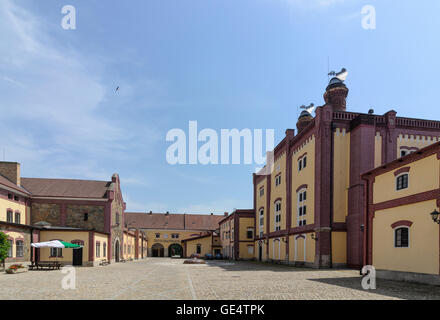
column 55, row 102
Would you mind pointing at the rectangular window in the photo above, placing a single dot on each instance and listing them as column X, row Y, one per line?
column 278, row 180
column 86, row 216
column 250, row 233
column 302, row 208
column 98, row 249
column 9, row 217
column 104, row 249
column 16, row 198
column 19, row 248
column 199, row 249
column 402, row 238
column 56, row 252
column 17, row 217
column 157, row 235
column 10, row 248
column 250, row 250
column 10, row 196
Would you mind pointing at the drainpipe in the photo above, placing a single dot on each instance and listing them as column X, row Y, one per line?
column 332, row 170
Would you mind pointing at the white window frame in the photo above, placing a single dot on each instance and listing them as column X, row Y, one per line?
column 276, row 214
column 409, row 237
column 299, row 205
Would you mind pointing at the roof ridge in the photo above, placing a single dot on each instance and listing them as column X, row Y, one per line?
column 67, row 179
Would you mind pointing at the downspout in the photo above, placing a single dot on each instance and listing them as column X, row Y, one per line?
column 332, row 169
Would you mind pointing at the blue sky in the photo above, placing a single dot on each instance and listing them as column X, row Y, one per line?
column 225, row 63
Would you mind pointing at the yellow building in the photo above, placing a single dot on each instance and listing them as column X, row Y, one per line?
column 237, row 233
column 309, row 199
column 85, row 212
column 202, row 245
column 165, row 231
column 401, row 237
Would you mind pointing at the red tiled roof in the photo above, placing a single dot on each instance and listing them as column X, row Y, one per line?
column 4, row 181
column 172, row 221
column 65, row 188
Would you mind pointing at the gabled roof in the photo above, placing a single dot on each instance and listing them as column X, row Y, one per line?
column 172, row 221
column 65, row 188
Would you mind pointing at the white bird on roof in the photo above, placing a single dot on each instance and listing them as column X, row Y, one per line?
column 309, row 108
column 342, row 75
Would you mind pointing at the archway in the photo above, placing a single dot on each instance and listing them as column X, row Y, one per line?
column 158, row 250
column 117, row 250
column 175, row 250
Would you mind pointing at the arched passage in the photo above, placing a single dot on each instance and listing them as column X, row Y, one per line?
column 158, row 250
column 175, row 250
column 117, row 248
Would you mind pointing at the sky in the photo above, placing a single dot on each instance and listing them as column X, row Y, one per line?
column 223, row 63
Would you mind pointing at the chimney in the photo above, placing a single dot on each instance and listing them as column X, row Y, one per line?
column 336, row 95
column 11, row 171
column 226, row 214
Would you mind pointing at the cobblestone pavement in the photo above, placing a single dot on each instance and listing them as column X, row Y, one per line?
column 157, row 278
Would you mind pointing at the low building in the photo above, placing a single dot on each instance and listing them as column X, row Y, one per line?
column 85, row 212
column 165, row 231
column 208, row 243
column 401, row 239
column 237, row 233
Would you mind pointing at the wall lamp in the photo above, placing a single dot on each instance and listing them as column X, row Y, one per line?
column 434, row 216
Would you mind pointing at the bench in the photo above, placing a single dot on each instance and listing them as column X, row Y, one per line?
column 45, row 265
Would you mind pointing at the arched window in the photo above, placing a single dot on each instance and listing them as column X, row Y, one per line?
column 277, row 225
column 401, row 237
column 402, row 181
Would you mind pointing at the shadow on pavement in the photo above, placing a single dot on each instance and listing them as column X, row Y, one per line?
column 389, row 288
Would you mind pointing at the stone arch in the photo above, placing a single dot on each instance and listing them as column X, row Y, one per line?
column 158, row 250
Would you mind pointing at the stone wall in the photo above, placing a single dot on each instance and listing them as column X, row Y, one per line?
column 75, row 217
column 50, row 213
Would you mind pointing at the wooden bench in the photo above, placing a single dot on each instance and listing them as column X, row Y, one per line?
column 45, row 265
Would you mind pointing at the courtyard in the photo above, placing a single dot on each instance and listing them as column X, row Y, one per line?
column 165, row 278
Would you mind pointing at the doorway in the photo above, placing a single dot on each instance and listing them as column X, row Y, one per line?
column 175, row 250
column 260, row 252
column 78, row 257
